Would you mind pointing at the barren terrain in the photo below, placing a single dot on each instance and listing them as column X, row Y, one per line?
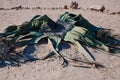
column 51, row 69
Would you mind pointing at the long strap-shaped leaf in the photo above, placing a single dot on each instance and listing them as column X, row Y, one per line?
column 78, row 20
column 82, row 50
column 76, row 36
column 35, row 38
column 29, row 35
column 54, row 43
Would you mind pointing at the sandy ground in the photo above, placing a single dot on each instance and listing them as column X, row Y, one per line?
column 51, row 69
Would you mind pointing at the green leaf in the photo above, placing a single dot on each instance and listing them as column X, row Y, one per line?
column 35, row 18
column 78, row 20
column 56, row 42
column 82, row 50
column 38, row 38
column 10, row 29
column 72, row 37
column 83, row 35
column 33, row 40
column 30, row 38
column 32, row 34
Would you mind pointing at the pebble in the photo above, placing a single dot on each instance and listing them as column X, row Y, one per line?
column 65, row 7
column 1, row 8
column 73, row 5
column 18, row 7
column 113, row 13
column 97, row 8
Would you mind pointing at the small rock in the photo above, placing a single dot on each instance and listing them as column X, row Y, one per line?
column 37, row 7
column 26, row 8
column 118, row 12
column 1, row 8
column 18, row 7
column 97, row 8
column 53, row 8
column 112, row 13
column 73, row 5
column 65, row 7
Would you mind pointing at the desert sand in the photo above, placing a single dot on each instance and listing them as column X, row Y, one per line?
column 51, row 68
